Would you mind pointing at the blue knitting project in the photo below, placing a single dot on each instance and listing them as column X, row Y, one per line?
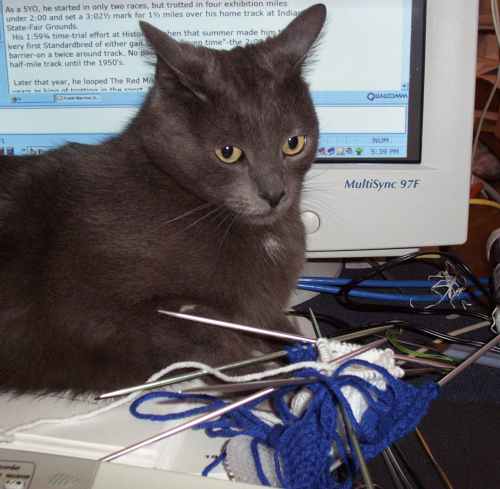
column 303, row 444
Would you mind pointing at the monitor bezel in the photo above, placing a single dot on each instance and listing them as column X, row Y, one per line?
column 416, row 96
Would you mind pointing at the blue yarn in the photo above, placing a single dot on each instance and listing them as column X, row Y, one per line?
column 215, row 403
column 302, row 444
column 301, row 353
column 218, row 460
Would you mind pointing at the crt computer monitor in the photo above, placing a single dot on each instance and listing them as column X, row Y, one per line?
column 392, row 81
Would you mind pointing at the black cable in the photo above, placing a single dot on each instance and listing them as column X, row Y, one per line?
column 325, row 318
column 485, row 301
column 450, row 339
column 385, row 276
column 462, row 267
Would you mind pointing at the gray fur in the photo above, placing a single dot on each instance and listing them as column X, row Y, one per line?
column 94, row 239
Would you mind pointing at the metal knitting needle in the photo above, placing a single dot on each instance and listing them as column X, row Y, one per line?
column 251, row 361
column 399, row 470
column 250, row 386
column 279, row 335
column 425, row 446
column 187, row 425
column 192, row 375
column 392, row 471
column 350, row 430
column 415, row 372
column 359, row 351
column 469, row 361
column 363, row 467
column 423, row 361
column 363, row 332
column 199, row 373
column 243, row 386
column 317, row 331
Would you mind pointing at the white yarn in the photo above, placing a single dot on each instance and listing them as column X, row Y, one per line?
column 324, row 350
column 447, row 288
column 300, row 401
column 8, row 436
column 384, row 358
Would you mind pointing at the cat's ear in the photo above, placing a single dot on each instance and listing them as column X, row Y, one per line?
column 296, row 40
column 181, row 60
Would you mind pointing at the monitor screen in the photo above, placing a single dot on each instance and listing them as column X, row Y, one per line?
column 76, row 70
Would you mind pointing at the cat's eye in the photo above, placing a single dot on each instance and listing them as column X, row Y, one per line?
column 294, row 145
column 229, row 154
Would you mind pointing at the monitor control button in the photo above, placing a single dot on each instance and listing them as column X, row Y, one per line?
column 311, row 221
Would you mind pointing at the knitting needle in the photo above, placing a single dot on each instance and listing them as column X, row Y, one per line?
column 363, row 467
column 279, row 335
column 250, row 386
column 412, row 476
column 244, row 363
column 365, row 473
column 315, row 325
column 350, row 336
column 187, row 425
column 243, row 386
column 399, row 470
column 359, row 351
column 423, row 361
column 414, row 372
column 469, row 360
column 392, row 471
column 192, row 375
column 363, row 332
column 442, row 474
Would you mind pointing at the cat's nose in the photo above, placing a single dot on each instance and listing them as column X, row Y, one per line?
column 273, row 198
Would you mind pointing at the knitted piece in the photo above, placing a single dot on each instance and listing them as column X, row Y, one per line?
column 301, row 353
column 303, row 444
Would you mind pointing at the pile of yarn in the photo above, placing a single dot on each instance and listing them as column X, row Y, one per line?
column 305, row 446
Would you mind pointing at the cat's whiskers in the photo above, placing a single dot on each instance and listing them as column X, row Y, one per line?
column 316, row 203
column 312, row 175
column 320, row 206
column 221, row 218
column 200, row 219
column 233, row 218
column 188, row 213
column 220, row 244
column 316, row 187
column 222, row 226
column 311, row 199
column 244, row 206
column 311, row 183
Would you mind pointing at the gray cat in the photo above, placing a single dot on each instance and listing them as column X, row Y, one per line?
column 195, row 206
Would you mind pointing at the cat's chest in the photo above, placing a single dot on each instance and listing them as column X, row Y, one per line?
column 264, row 260
column 187, row 250
column 236, row 260
column 253, row 246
